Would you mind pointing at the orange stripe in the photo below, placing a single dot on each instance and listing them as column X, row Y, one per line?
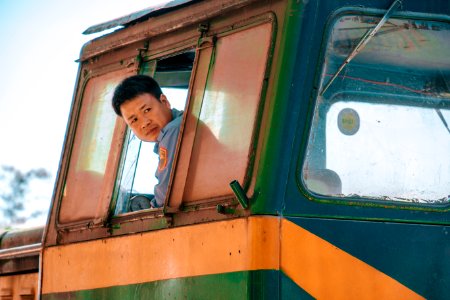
column 327, row 272
column 212, row 248
column 320, row 268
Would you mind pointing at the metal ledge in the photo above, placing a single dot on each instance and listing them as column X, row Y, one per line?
column 22, row 251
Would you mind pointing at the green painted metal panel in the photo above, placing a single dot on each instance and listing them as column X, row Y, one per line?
column 270, row 177
column 236, row 285
column 290, row 290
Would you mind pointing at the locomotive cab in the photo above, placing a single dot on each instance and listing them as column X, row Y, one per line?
column 305, row 167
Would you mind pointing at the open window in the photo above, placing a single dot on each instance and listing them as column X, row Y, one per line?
column 136, row 179
column 381, row 130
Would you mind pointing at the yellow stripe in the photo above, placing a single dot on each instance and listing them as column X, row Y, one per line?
column 212, row 248
column 327, row 272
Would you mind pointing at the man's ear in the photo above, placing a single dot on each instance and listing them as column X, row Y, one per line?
column 164, row 100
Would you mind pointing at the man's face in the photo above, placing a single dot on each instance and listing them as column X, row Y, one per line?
column 146, row 116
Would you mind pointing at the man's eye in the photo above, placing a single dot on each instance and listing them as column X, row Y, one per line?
column 133, row 121
column 147, row 109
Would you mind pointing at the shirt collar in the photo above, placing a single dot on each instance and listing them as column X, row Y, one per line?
column 175, row 114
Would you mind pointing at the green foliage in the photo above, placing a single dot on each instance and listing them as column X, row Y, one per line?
column 14, row 188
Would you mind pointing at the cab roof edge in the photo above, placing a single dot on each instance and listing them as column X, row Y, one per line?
column 147, row 12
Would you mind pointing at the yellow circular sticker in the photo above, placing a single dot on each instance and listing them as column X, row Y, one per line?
column 348, row 121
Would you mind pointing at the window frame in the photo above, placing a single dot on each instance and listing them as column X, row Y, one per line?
column 149, row 216
column 176, row 214
column 156, row 47
column 364, row 201
column 89, row 72
column 175, row 203
column 147, row 39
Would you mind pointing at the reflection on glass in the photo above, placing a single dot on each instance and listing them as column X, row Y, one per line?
column 97, row 133
column 400, row 152
column 126, row 184
column 88, row 185
column 224, row 136
column 381, row 130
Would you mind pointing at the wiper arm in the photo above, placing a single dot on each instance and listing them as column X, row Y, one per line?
column 364, row 40
column 438, row 111
column 441, row 116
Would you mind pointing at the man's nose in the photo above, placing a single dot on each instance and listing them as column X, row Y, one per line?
column 146, row 122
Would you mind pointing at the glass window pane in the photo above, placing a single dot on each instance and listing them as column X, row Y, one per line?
column 381, row 130
column 91, row 172
column 228, row 113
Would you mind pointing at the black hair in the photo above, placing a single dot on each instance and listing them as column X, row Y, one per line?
column 132, row 87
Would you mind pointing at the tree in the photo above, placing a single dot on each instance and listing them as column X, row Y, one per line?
column 14, row 187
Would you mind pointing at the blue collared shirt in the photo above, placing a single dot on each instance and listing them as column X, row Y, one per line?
column 165, row 146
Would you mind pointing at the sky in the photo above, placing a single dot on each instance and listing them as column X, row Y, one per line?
column 40, row 42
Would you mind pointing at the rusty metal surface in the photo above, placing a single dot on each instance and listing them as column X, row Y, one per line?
column 146, row 29
column 29, row 263
column 19, row 250
column 20, row 238
column 19, row 286
column 137, row 16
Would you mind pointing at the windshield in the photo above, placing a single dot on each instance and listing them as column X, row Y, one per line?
column 381, row 131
